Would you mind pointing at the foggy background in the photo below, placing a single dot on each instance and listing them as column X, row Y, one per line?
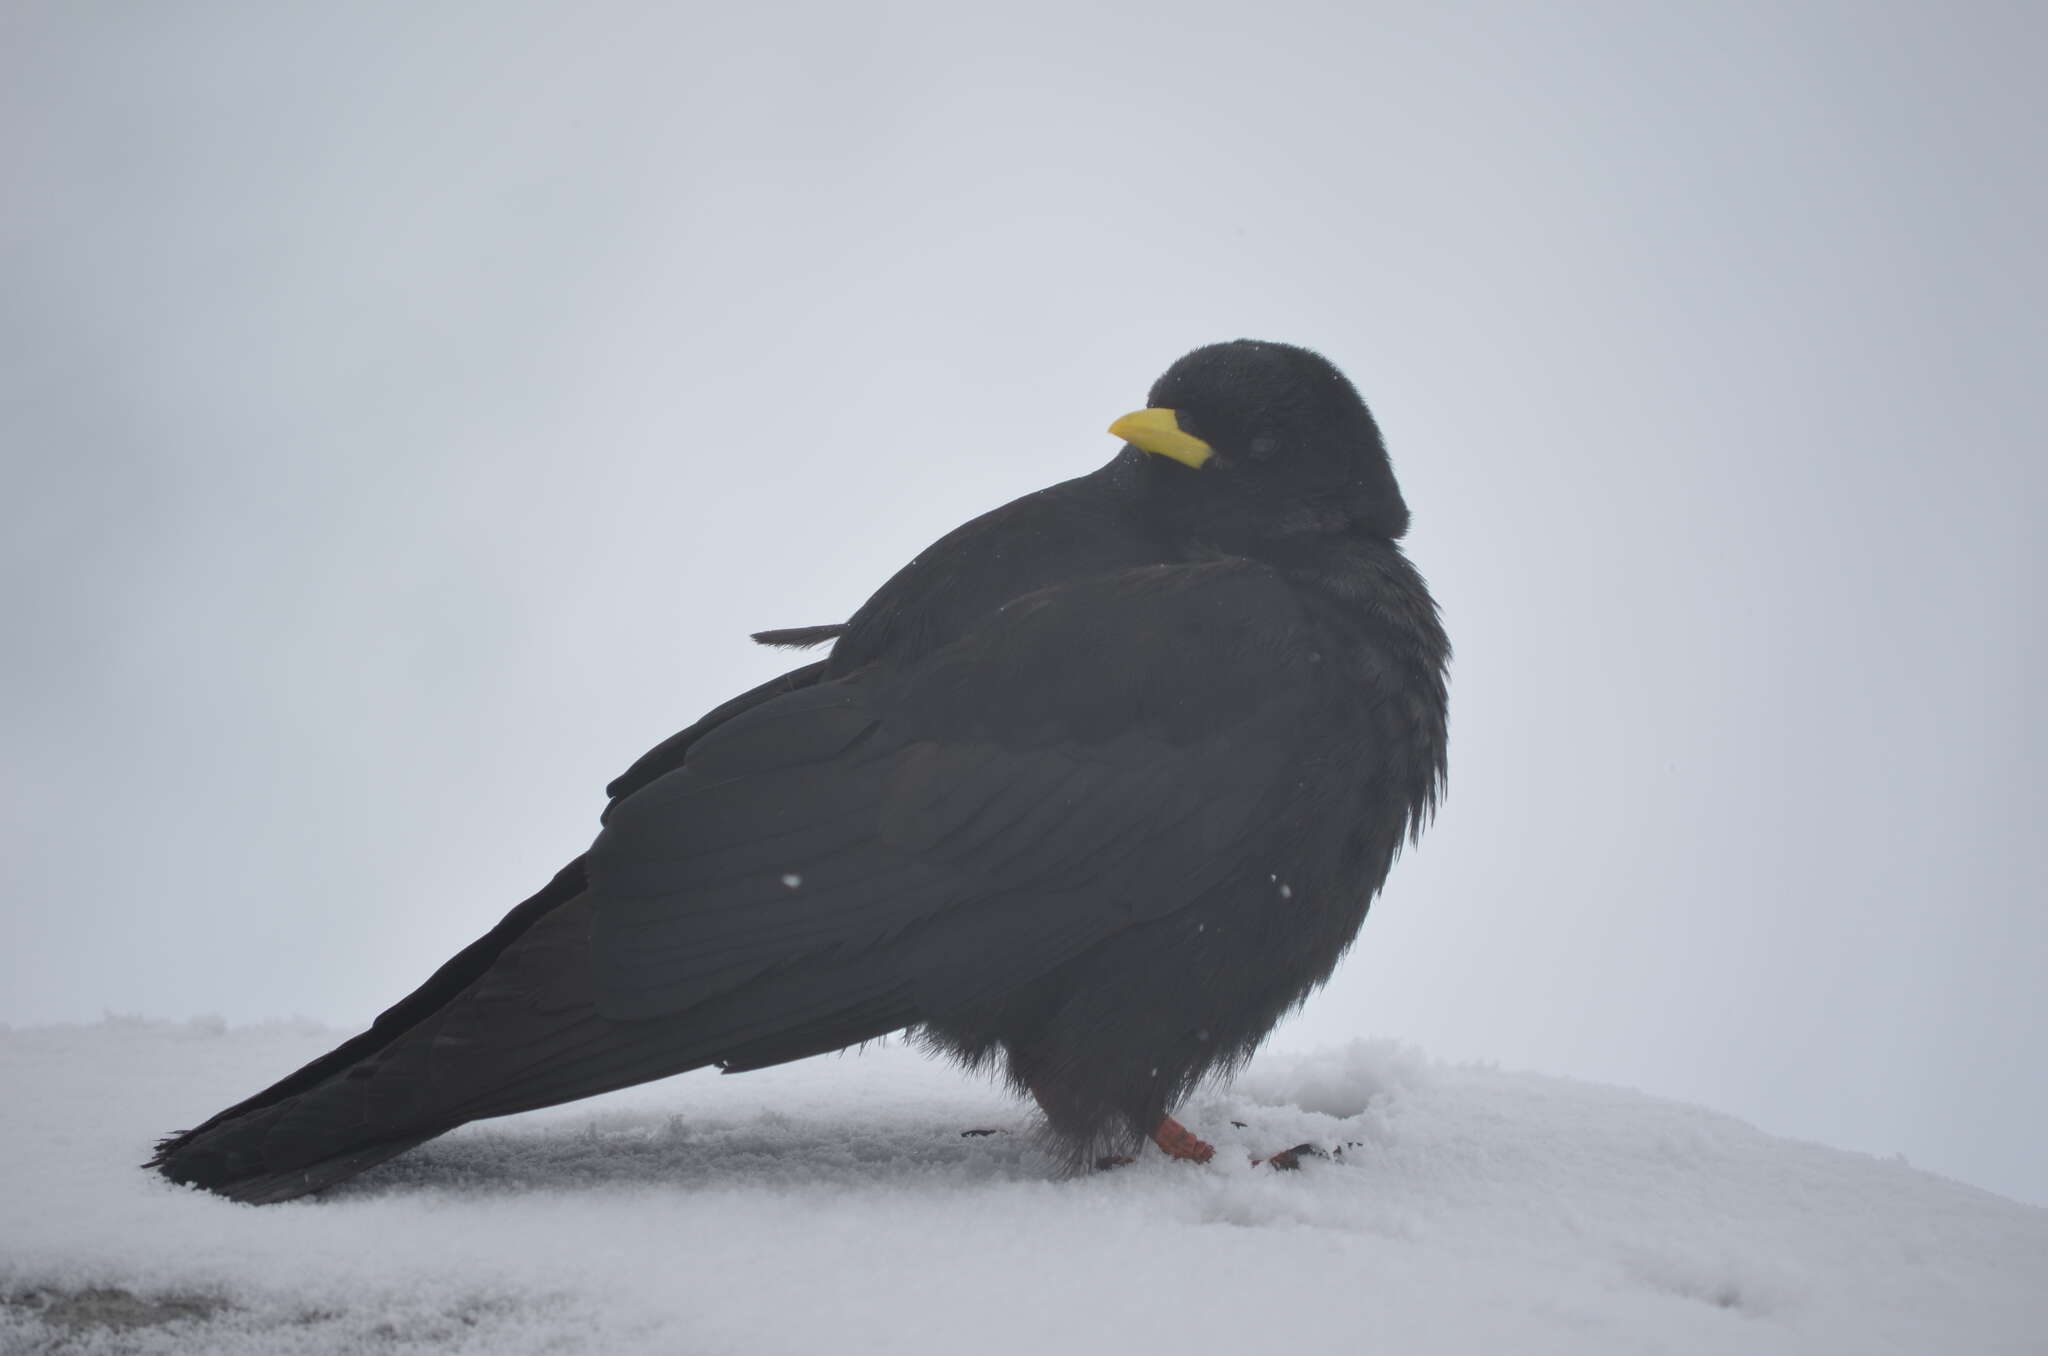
column 407, row 410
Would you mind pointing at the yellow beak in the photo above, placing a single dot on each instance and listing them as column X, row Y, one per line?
column 1159, row 432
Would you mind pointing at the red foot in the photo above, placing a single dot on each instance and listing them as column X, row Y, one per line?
column 1180, row 1142
column 1287, row 1160
column 1174, row 1139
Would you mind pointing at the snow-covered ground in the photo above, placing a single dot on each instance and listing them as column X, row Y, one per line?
column 836, row 1207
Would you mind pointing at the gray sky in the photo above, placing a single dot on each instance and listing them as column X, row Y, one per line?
column 408, row 409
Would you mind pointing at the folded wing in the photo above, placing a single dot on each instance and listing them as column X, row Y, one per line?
column 946, row 832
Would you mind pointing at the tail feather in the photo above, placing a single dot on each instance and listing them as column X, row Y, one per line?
column 230, row 1174
column 239, row 1153
column 458, row 973
column 495, row 1030
column 511, row 1027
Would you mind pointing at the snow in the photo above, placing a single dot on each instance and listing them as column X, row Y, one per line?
column 836, row 1206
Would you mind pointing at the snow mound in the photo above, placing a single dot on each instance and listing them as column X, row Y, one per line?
column 839, row 1205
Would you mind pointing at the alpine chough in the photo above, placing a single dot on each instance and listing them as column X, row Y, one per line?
column 1096, row 789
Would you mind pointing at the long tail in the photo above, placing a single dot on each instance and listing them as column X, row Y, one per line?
column 508, row 1025
column 320, row 1124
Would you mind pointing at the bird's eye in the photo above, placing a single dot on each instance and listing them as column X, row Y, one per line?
column 1263, row 447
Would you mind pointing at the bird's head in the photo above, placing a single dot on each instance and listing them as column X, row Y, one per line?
column 1268, row 429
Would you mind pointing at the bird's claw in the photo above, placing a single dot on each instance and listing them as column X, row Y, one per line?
column 1288, row 1160
column 1177, row 1141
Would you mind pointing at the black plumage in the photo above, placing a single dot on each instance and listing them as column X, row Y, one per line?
column 1100, row 786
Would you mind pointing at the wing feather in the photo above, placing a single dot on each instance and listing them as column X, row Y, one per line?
column 961, row 826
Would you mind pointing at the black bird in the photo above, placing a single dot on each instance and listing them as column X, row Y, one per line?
column 1099, row 786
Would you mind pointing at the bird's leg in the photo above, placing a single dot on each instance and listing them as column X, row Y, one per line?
column 1177, row 1141
column 1038, row 1095
column 1174, row 1139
